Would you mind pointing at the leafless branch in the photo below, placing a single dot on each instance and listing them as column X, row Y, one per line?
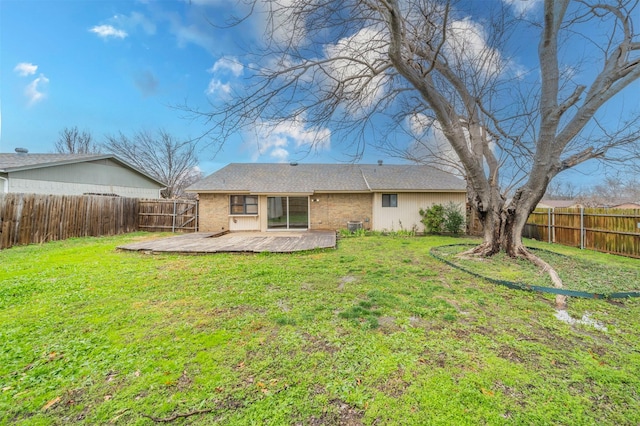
column 73, row 141
column 159, row 155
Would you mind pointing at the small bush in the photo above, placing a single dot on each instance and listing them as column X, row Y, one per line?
column 433, row 219
column 438, row 219
column 345, row 233
column 453, row 218
column 360, row 232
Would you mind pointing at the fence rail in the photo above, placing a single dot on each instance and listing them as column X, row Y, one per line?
column 35, row 218
column 168, row 215
column 615, row 231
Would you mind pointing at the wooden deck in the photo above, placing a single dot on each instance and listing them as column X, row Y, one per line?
column 247, row 242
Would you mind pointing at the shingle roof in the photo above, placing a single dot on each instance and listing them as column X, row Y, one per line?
column 559, row 203
column 11, row 162
column 15, row 162
column 267, row 178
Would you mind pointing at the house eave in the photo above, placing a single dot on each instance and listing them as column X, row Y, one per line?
column 83, row 160
column 281, row 193
column 420, row 190
column 247, row 192
column 218, row 191
column 323, row 191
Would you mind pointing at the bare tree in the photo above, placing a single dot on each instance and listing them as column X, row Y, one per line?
column 613, row 190
column 73, row 141
column 387, row 65
column 161, row 156
column 563, row 190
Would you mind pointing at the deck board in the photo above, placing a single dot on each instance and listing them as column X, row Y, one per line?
column 251, row 242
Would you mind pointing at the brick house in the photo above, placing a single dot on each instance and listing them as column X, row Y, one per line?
column 266, row 197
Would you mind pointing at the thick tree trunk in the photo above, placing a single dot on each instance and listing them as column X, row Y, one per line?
column 502, row 232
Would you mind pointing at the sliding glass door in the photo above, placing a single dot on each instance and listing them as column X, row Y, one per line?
column 288, row 212
column 298, row 212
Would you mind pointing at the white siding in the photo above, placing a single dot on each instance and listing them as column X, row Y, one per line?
column 244, row 223
column 29, row 186
column 251, row 222
column 406, row 216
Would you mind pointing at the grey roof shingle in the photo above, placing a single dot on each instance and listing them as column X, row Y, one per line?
column 10, row 162
column 268, row 178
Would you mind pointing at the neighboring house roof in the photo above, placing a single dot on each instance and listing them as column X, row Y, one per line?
column 558, row 204
column 627, row 205
column 268, row 178
column 18, row 162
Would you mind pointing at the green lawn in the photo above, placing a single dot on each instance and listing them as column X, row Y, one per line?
column 588, row 271
column 375, row 332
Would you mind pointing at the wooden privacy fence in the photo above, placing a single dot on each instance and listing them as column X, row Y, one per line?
column 168, row 215
column 615, row 231
column 35, row 218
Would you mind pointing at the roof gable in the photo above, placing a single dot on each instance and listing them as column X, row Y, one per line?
column 270, row 178
column 18, row 162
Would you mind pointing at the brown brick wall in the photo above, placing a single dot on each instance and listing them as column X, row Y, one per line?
column 333, row 211
column 214, row 212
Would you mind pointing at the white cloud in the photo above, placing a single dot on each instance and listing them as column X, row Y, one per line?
column 25, row 68
column 522, row 7
column 467, row 47
column 431, row 145
column 269, row 144
column 282, row 22
column 34, row 90
column 569, row 72
column 279, row 154
column 259, row 18
column 224, row 67
column 195, row 33
column 106, row 31
column 420, row 123
column 466, row 44
column 216, row 87
column 133, row 21
column 277, row 140
column 228, row 64
column 354, row 58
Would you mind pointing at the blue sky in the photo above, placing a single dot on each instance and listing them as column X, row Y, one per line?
column 124, row 66
column 109, row 66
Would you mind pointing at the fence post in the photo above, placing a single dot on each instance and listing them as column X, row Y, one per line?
column 173, row 224
column 549, row 223
column 581, row 228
